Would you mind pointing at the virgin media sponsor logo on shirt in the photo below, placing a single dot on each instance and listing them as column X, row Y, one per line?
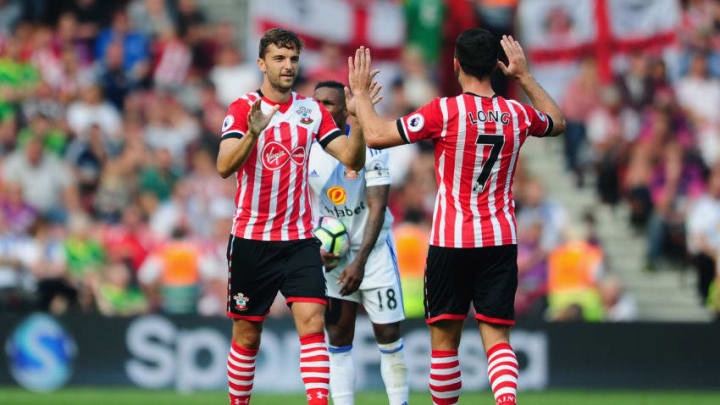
column 275, row 155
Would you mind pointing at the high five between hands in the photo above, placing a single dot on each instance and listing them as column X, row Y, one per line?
column 361, row 79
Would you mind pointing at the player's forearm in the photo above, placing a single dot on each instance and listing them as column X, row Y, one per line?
column 372, row 125
column 376, row 220
column 377, row 198
column 542, row 101
column 355, row 154
column 230, row 158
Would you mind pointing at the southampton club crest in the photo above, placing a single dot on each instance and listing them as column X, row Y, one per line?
column 241, row 301
column 304, row 114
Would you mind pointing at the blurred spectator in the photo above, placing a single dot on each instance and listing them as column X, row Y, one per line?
column 87, row 155
column 47, row 182
column 43, row 127
column 188, row 14
column 170, row 275
column 213, row 268
column 115, row 294
column 115, row 81
column 417, row 85
column 136, row 50
column 332, row 65
column 703, row 233
column 67, row 39
column 170, row 127
column 581, row 98
column 91, row 110
column 173, row 59
column 610, row 129
column 636, row 85
column 91, row 16
column 425, row 19
column 85, row 257
column 573, row 272
column 619, row 305
column 10, row 13
column 206, row 194
column 698, row 93
column 150, row 17
column 172, row 212
column 17, row 215
column 17, row 78
column 231, row 78
column 160, row 177
column 44, row 256
column 539, row 224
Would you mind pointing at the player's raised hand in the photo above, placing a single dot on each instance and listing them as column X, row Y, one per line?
column 360, row 76
column 375, row 96
column 257, row 121
column 352, row 276
column 517, row 64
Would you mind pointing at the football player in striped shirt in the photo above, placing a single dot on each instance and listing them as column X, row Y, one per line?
column 472, row 256
column 266, row 139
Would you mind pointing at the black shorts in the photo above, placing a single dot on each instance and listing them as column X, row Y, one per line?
column 259, row 269
column 487, row 276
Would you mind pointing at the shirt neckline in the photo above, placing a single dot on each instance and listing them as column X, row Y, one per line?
column 283, row 106
column 477, row 95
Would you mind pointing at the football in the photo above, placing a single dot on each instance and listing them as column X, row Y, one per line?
column 333, row 236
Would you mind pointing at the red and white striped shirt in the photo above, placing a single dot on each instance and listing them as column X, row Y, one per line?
column 477, row 141
column 273, row 196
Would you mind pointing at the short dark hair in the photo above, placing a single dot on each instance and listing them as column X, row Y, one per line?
column 281, row 38
column 332, row 84
column 477, row 50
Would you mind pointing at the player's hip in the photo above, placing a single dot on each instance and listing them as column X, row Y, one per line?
column 273, row 228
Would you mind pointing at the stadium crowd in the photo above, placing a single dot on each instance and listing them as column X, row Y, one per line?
column 109, row 120
column 650, row 137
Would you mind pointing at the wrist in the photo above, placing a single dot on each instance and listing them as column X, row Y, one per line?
column 361, row 258
column 524, row 78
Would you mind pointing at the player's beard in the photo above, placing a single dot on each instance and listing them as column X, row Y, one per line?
column 277, row 82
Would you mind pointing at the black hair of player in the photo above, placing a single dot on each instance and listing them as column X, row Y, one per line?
column 333, row 85
column 477, row 51
column 281, row 38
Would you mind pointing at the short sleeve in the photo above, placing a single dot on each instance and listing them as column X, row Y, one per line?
column 427, row 122
column 327, row 130
column 377, row 168
column 540, row 123
column 235, row 123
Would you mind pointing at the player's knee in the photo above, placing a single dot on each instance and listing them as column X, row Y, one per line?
column 339, row 336
column 312, row 322
column 388, row 333
column 247, row 334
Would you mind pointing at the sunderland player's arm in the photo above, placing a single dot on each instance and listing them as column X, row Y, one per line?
column 377, row 180
column 241, row 128
column 544, row 105
column 349, row 150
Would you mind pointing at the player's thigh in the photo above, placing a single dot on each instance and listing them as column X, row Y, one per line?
column 253, row 280
column 449, row 277
column 303, row 274
column 340, row 316
column 496, row 284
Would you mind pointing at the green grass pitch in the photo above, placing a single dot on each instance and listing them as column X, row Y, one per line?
column 94, row 396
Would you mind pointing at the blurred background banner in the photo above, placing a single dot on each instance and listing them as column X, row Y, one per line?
column 189, row 353
column 558, row 34
column 332, row 30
